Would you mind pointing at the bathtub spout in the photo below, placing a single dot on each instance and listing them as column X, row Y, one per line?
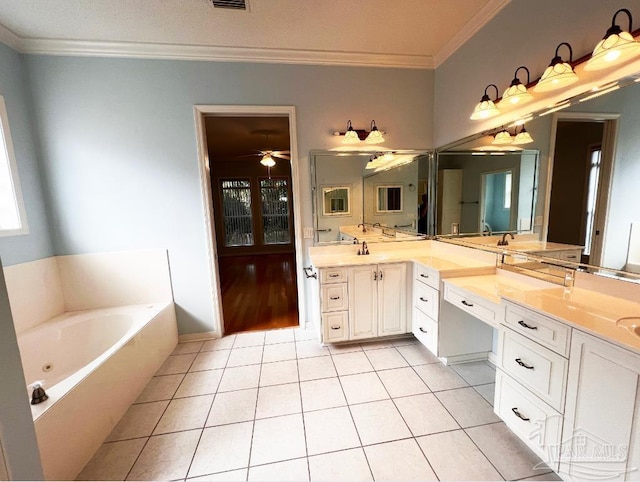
column 38, row 395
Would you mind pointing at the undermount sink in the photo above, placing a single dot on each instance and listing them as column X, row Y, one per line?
column 631, row 323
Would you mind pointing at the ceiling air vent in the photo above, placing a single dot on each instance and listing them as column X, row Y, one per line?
column 232, row 4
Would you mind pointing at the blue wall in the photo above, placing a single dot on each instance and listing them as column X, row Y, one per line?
column 119, row 146
column 13, row 87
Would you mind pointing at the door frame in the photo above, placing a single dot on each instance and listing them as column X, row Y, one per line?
column 609, row 140
column 202, row 111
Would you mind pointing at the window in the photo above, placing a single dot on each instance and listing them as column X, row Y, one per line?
column 236, row 208
column 507, row 190
column 274, row 194
column 595, row 156
column 389, row 199
column 13, row 220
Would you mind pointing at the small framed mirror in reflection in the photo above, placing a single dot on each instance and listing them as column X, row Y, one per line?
column 336, row 201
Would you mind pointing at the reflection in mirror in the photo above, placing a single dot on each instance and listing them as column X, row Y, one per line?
column 587, row 207
column 336, row 201
column 357, row 194
column 486, row 192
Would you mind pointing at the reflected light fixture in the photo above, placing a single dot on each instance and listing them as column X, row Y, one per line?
column 559, row 73
column 522, row 137
column 351, row 136
column 267, row 161
column 616, row 46
column 517, row 92
column 375, row 136
column 502, row 137
column 486, row 107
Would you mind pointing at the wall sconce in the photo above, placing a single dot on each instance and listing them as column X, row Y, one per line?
column 517, row 92
column 503, row 137
column 615, row 47
column 354, row 136
column 486, row 107
column 522, row 137
column 559, row 73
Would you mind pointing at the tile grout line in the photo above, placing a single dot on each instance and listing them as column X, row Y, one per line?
column 255, row 411
column 304, row 425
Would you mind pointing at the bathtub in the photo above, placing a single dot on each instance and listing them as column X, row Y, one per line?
column 94, row 364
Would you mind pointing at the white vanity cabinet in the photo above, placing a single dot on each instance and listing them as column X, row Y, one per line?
column 377, row 300
column 602, row 416
column 334, row 304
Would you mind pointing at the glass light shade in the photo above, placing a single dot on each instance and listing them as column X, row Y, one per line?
column 522, row 137
column 555, row 77
column 485, row 109
column 612, row 50
column 388, row 156
column 350, row 137
column 516, row 94
column 374, row 137
column 373, row 164
column 267, row 161
column 502, row 137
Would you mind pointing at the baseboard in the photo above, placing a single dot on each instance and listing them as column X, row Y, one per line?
column 468, row 357
column 492, row 358
column 207, row 335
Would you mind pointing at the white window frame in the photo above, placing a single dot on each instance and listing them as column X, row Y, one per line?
column 7, row 145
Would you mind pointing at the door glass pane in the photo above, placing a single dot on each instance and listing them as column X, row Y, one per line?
column 275, row 211
column 236, row 207
column 594, row 175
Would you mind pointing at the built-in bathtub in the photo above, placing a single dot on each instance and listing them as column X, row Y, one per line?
column 94, row 364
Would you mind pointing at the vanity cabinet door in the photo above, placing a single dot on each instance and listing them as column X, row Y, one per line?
column 601, row 432
column 363, row 302
column 392, row 306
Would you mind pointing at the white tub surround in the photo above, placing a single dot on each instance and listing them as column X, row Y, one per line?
column 95, row 328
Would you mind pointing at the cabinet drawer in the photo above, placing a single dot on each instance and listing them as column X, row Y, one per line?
column 544, row 330
column 334, row 297
column 536, row 423
column 573, row 255
column 427, row 275
column 537, row 368
column 333, row 275
column 425, row 330
column 425, row 298
column 475, row 305
column 335, row 326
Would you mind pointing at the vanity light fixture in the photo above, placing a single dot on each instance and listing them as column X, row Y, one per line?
column 517, row 92
column 486, row 107
column 616, row 46
column 503, row 137
column 267, row 161
column 522, row 137
column 351, row 136
column 559, row 73
column 375, row 136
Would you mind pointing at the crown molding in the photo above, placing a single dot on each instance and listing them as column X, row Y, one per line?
column 486, row 13
column 9, row 38
column 220, row 54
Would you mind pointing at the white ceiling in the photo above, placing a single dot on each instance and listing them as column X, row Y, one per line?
column 385, row 33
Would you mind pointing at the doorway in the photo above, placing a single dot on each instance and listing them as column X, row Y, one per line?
column 580, row 176
column 254, row 239
column 496, row 201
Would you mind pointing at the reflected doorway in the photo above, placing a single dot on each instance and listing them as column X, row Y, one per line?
column 496, row 200
column 252, row 203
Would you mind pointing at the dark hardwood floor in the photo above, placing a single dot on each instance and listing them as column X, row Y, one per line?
column 258, row 292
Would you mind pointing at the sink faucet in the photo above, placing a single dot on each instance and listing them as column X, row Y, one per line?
column 364, row 250
column 377, row 224
column 364, row 228
column 503, row 241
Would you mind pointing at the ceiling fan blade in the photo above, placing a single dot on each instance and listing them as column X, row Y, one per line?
column 277, row 153
column 281, row 156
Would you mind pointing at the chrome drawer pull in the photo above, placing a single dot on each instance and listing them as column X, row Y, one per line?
column 335, row 327
column 334, row 276
column 334, row 297
column 466, row 303
column 523, row 324
column 519, row 415
column 423, row 299
column 422, row 275
column 523, row 364
column 423, row 330
column 380, row 274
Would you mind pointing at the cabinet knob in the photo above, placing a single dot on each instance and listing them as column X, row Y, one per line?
column 519, row 415
column 466, row 303
column 523, row 364
column 524, row 325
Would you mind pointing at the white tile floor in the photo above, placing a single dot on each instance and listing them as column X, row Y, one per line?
column 279, row 406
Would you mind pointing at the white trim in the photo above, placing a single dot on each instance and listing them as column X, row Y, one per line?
column 469, row 357
column 91, row 48
column 200, row 111
column 206, row 335
column 9, row 38
column 5, row 132
column 479, row 20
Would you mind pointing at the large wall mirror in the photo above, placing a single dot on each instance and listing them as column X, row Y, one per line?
column 581, row 190
column 382, row 189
